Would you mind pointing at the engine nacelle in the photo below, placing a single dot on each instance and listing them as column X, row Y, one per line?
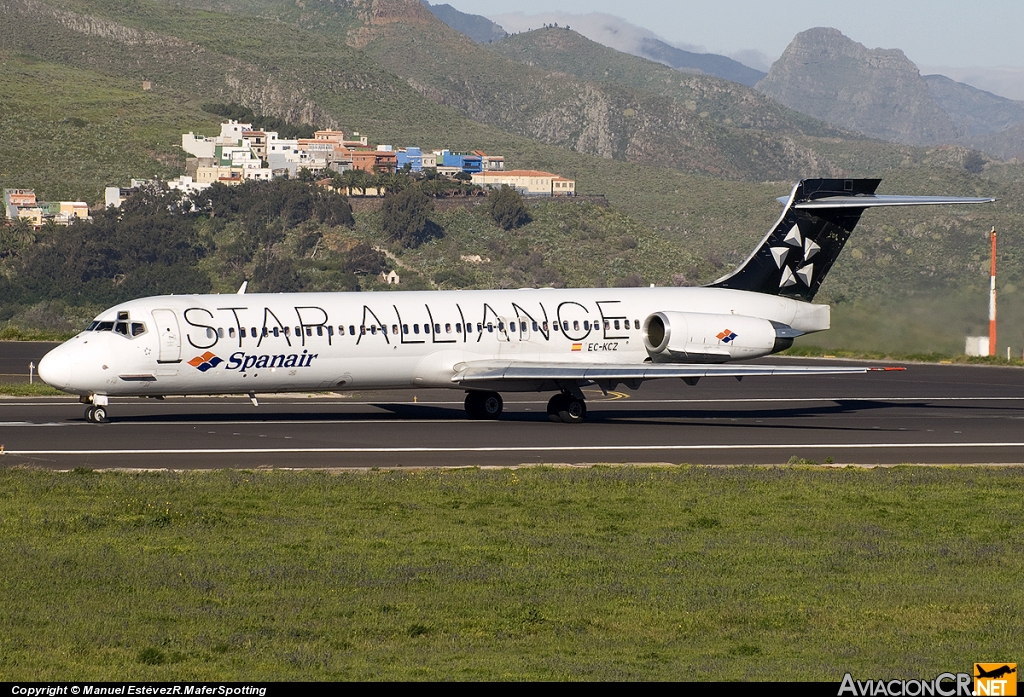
column 694, row 337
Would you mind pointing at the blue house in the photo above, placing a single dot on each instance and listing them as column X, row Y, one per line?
column 466, row 161
column 410, row 156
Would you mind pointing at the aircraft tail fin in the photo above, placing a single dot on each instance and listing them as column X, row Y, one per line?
column 819, row 215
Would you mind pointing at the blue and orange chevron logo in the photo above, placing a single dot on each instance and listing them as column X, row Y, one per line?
column 205, row 362
column 726, row 336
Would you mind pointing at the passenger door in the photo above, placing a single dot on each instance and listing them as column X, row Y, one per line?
column 170, row 338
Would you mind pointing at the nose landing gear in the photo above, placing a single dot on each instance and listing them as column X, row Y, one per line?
column 97, row 415
column 96, row 412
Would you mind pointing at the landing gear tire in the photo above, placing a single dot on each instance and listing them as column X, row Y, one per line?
column 97, row 415
column 484, row 405
column 567, row 409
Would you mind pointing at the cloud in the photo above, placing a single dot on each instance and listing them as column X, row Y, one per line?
column 605, row 29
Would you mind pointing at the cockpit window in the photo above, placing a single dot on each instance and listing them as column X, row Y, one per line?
column 129, row 329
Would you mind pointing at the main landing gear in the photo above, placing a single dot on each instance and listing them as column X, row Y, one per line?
column 563, row 407
column 484, row 405
column 567, row 408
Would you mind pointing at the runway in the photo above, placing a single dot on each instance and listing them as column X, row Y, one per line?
column 930, row 414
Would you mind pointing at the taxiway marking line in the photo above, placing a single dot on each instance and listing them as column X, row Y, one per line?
column 633, row 400
column 521, row 448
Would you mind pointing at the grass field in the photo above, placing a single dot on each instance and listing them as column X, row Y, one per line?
column 604, row 573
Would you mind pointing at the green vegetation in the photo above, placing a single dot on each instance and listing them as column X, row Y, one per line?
column 405, row 221
column 24, row 389
column 507, row 208
column 550, row 574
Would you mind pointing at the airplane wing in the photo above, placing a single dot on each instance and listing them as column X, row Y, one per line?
column 496, row 371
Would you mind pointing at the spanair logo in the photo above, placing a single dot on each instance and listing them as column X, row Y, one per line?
column 995, row 679
column 726, row 336
column 205, row 362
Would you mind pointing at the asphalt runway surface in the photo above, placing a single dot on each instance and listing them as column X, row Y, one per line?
column 929, row 414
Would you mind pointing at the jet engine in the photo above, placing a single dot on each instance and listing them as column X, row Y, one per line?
column 694, row 337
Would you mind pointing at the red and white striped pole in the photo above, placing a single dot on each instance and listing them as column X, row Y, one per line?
column 992, row 301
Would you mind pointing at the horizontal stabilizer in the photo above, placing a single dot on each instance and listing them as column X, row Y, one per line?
column 875, row 201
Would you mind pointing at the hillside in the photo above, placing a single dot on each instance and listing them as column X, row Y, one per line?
column 598, row 118
column 989, row 122
column 95, row 53
column 715, row 100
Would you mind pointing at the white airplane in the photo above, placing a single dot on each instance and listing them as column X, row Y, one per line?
column 480, row 341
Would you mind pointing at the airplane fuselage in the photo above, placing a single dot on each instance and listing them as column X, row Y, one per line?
column 209, row 344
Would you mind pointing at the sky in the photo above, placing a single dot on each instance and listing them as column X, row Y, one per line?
column 955, row 33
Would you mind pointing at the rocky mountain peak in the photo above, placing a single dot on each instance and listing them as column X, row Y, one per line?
column 879, row 92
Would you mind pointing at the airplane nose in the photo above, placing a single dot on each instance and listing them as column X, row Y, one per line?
column 55, row 368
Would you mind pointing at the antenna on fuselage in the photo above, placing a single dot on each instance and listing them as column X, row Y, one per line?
column 241, row 288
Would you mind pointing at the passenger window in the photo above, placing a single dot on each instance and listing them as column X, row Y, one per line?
column 352, row 329
column 415, row 329
column 586, row 325
column 522, row 326
column 511, row 326
column 437, row 328
column 490, row 327
column 565, row 326
column 545, row 326
column 138, row 328
column 330, row 330
column 287, row 331
column 319, row 331
column 480, row 327
column 277, row 332
column 426, row 328
column 576, row 325
column 231, row 332
column 458, row 327
column 636, row 324
column 448, row 329
column 501, row 326
column 264, row 331
column 373, row 329
column 209, row 333
column 554, row 326
column 535, row 327
column 309, row 331
column 616, row 324
column 220, row 332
